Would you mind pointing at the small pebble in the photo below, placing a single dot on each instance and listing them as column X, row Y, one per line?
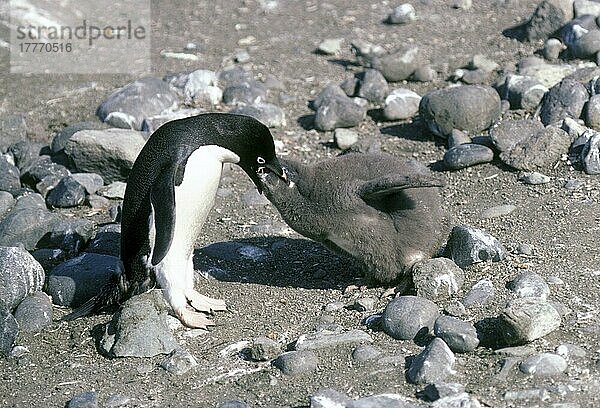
column 404, row 13
column 84, row 400
column 458, row 137
column 331, row 46
column 364, row 304
column 570, row 351
column 533, row 178
column 439, row 390
column 498, row 211
column 455, row 308
column 34, row 313
column 529, row 284
column 438, row 278
column 466, row 155
column 295, row 363
column 544, row 364
column 459, row 335
column 525, row 249
column 179, row 362
column 345, row 138
column 480, row 294
column 468, row 245
column 365, row 352
column 115, row 401
column 433, row 364
column 263, row 349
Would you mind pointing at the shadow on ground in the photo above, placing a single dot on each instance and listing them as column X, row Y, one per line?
column 276, row 261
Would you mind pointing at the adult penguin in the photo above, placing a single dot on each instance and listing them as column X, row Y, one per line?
column 382, row 211
column 170, row 191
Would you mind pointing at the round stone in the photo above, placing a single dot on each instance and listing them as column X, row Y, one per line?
column 405, row 317
column 466, row 155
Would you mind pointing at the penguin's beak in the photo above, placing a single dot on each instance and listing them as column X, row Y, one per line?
column 279, row 171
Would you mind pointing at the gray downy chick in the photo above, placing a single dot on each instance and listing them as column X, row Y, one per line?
column 382, row 211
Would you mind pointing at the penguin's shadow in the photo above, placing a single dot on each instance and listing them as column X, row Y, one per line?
column 276, row 261
column 414, row 130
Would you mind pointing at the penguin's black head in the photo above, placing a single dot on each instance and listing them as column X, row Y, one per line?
column 257, row 152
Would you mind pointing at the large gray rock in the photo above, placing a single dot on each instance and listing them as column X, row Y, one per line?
column 548, row 17
column 338, row 111
column 544, row 364
column 40, row 168
column 373, row 86
column 270, row 115
column 61, row 138
column 401, row 103
column 34, row 313
column 9, row 176
column 538, row 152
column 564, row 100
column 110, row 152
column 20, row 275
column 69, row 235
column 509, row 133
column 128, row 106
column 139, row 328
column 27, row 223
column 297, row 362
column 67, row 193
column 527, row 319
column 433, row 364
column 459, row 335
column 405, row 317
column 468, row 245
column 529, row 284
column 397, row 65
column 472, row 108
column 75, row 281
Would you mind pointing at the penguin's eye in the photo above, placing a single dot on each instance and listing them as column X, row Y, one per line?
column 260, row 160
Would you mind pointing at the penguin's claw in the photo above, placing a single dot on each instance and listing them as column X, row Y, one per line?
column 194, row 320
column 204, row 303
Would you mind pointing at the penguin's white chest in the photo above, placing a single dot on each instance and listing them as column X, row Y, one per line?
column 195, row 197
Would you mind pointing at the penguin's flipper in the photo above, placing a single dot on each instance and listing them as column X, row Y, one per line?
column 162, row 197
column 381, row 187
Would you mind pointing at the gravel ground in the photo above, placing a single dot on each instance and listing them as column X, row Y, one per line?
column 284, row 296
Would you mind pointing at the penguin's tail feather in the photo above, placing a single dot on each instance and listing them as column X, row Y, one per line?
column 111, row 295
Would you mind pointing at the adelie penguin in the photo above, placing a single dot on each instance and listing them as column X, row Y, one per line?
column 170, row 191
column 382, row 211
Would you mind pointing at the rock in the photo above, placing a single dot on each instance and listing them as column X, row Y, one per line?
column 365, row 352
column 533, row 178
column 327, row 339
column 201, row 87
column 115, row 190
column 424, row 73
column 571, row 351
column 365, row 51
column 405, row 317
column 480, row 61
column 498, row 211
column 9, row 176
column 233, row 404
column 435, row 391
column 459, row 335
column 471, row 76
column 437, row 279
column 462, row 4
column 457, row 138
column 548, row 74
column 364, row 304
column 75, row 281
column 468, row 245
column 87, row 399
column 336, row 110
column 12, row 129
column 585, row 44
column 403, row 14
column 152, row 123
column 590, row 155
column 109, row 152
column 592, row 112
column 472, row 108
column 519, row 351
column 6, row 202
column 433, row 364
column 67, row 193
column 330, row 46
column 34, row 313
column 9, row 330
column 69, row 235
column 234, row 75
column 139, row 328
column 20, row 275
column 510, row 132
column 373, row 86
column 481, row 293
column 179, row 362
column 270, row 115
column 462, row 400
column 523, row 92
column 401, row 103
column 382, row 401
column 566, row 99
column 529, row 394
column 544, row 364
column 90, row 181
column 107, row 240
column 538, row 152
column 245, row 93
column 455, row 308
column 552, row 49
column 297, row 362
column 397, row 65
column 62, row 137
column 40, row 168
column 117, row 400
column 97, row 202
column 345, row 138
column 263, row 349
column 17, row 227
column 128, row 106
column 328, row 398
column 548, row 17
column 527, row 319
column 585, row 7
column 529, row 284
column 467, row 155
column 45, row 186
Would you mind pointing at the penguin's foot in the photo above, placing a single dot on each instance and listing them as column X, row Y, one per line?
column 204, row 303
column 194, row 320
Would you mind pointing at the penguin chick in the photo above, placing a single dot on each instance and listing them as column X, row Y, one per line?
column 170, row 191
column 382, row 211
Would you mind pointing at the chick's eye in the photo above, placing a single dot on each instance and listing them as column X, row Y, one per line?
column 260, row 160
